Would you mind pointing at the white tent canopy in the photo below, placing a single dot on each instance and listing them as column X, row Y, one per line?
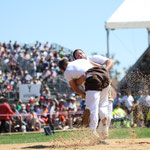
column 131, row 14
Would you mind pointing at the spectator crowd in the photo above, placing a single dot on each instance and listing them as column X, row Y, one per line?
column 24, row 64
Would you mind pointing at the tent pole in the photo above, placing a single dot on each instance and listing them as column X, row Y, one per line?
column 148, row 36
column 107, row 43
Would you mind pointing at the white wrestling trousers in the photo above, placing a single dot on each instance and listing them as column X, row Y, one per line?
column 100, row 126
column 110, row 109
column 97, row 102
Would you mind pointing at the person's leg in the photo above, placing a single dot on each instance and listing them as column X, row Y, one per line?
column 103, row 113
column 0, row 126
column 92, row 103
column 110, row 108
column 103, row 125
column 3, row 126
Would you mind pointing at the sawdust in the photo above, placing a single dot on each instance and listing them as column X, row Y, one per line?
column 82, row 144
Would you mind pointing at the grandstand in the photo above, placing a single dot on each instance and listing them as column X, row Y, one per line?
column 138, row 76
column 18, row 57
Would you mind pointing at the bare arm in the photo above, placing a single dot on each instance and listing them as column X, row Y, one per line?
column 74, row 86
column 80, row 80
column 109, row 64
column 95, row 64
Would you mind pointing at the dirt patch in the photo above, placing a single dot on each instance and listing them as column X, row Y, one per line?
column 114, row 144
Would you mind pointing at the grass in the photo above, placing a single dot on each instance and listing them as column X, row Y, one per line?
column 120, row 133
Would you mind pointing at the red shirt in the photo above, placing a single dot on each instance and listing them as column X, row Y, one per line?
column 6, row 111
column 9, row 87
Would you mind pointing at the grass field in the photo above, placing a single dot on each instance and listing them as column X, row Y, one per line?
column 121, row 133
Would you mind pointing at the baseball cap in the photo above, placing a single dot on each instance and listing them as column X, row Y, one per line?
column 42, row 97
column 31, row 99
column 23, row 106
column 71, row 98
column 28, row 105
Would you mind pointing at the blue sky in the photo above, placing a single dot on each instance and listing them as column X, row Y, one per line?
column 72, row 24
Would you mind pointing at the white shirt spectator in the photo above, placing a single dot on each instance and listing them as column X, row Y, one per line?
column 128, row 99
column 145, row 101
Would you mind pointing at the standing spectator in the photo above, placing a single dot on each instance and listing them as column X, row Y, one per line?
column 117, row 100
column 5, row 115
column 33, row 67
column 128, row 102
column 145, row 104
column 128, row 99
column 138, row 117
column 27, row 77
column 46, row 74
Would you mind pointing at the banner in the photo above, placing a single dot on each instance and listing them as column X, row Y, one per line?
column 26, row 91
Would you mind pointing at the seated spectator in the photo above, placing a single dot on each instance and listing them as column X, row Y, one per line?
column 17, row 120
column 18, row 104
column 23, row 113
column 32, row 121
column 118, row 114
column 44, row 113
column 42, row 101
column 28, row 107
column 31, row 102
column 82, row 105
column 53, row 72
column 72, row 108
column 37, row 109
column 63, row 115
column 51, row 108
column 72, row 103
column 77, row 118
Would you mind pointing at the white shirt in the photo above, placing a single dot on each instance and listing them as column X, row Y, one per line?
column 146, row 101
column 98, row 59
column 128, row 101
column 77, row 68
